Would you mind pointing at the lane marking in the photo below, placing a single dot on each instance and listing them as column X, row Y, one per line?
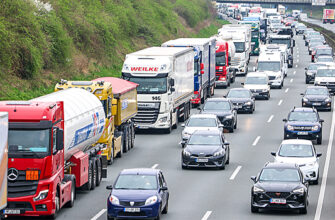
column 286, row 90
column 291, row 81
column 206, row 216
column 294, row 72
column 280, row 101
column 296, row 65
column 298, row 56
column 298, row 60
column 235, row 172
column 256, row 141
column 155, row 166
column 325, row 170
column 99, row 214
column 270, row 119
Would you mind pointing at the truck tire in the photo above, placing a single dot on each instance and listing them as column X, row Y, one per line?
column 125, row 139
column 111, row 160
column 169, row 129
column 129, row 137
column 99, row 170
column 94, row 173
column 72, row 178
column 132, row 135
column 88, row 185
column 119, row 155
column 57, row 204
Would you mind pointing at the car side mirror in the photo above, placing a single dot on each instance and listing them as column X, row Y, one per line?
column 284, row 120
column 302, row 94
column 253, row 178
column 318, row 155
column 110, row 187
column 321, row 120
column 226, row 143
column 182, row 125
column 242, row 84
column 164, row 188
column 60, row 140
column 273, row 154
column 221, row 126
column 305, row 68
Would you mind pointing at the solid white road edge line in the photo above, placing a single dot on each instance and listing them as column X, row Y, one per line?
column 325, row 170
column 206, row 216
column 280, row 101
column 270, row 119
column 99, row 214
column 291, row 81
column 256, row 141
column 235, row 172
column 155, row 166
column 286, row 90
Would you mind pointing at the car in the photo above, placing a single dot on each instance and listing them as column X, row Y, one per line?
column 311, row 70
column 324, row 59
column 242, row 99
column 325, row 76
column 224, row 109
column 138, row 192
column 303, row 123
column 206, row 149
column 285, row 31
column 300, row 29
column 279, row 186
column 303, row 153
column 314, row 44
column 197, row 122
column 322, row 51
column 317, row 97
column 258, row 83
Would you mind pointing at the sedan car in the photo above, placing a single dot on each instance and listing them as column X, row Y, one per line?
column 311, row 70
column 303, row 123
column 242, row 99
column 279, row 186
column 258, row 83
column 206, row 149
column 317, row 97
column 224, row 110
column 197, row 122
column 138, row 193
column 303, row 153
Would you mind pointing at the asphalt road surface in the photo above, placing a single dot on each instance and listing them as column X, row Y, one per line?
column 327, row 26
column 224, row 194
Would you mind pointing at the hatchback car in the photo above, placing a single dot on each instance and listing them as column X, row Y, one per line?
column 206, row 149
column 311, row 70
column 303, row 153
column 224, row 110
column 258, row 83
column 317, row 97
column 303, row 123
column 279, row 186
column 138, row 193
column 242, row 99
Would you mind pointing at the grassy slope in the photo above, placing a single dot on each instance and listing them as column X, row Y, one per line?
column 84, row 39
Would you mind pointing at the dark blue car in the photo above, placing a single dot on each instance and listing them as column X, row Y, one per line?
column 303, row 123
column 138, row 193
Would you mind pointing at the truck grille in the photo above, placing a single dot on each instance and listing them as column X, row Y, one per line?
column 127, row 203
column 272, row 77
column 146, row 115
column 21, row 186
column 235, row 61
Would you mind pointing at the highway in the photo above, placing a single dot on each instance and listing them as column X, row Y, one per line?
column 223, row 194
column 327, row 26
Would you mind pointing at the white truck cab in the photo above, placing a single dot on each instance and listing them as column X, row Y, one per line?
column 282, row 48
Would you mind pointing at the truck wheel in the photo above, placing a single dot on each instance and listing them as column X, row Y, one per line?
column 88, row 185
column 132, row 136
column 111, row 160
column 125, row 139
column 119, row 155
column 99, row 171
column 94, row 174
column 71, row 178
column 129, row 137
column 169, row 129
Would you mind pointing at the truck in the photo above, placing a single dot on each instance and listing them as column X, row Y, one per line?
column 328, row 16
column 241, row 36
column 166, row 83
column 118, row 136
column 3, row 161
column 296, row 13
column 204, row 65
column 254, row 22
column 286, row 40
column 281, row 9
column 53, row 150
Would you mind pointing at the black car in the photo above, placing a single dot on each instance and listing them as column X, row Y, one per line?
column 224, row 109
column 317, row 97
column 311, row 70
column 205, row 149
column 279, row 186
column 242, row 99
column 303, row 123
column 286, row 31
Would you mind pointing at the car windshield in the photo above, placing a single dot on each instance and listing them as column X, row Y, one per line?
column 315, row 66
column 279, row 175
column 133, row 182
column 325, row 59
column 148, row 85
column 239, row 47
column 256, row 80
column 325, row 73
column 296, row 150
column 268, row 66
column 28, row 142
column 316, row 91
column 303, row 116
column 217, row 105
column 238, row 94
column 196, row 139
column 324, row 51
column 202, row 122
column 221, row 59
column 315, row 43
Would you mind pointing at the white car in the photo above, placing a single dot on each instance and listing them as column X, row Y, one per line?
column 258, row 83
column 200, row 122
column 301, row 152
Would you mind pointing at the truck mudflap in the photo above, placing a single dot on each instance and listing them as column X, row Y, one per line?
column 104, row 166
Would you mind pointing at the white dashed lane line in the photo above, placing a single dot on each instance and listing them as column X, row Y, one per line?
column 270, row 119
column 206, row 216
column 280, row 102
column 256, row 141
column 286, row 90
column 235, row 172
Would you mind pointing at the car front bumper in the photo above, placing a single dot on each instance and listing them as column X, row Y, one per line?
column 148, row 212
column 293, row 201
column 241, row 107
column 209, row 162
column 311, row 135
column 311, row 173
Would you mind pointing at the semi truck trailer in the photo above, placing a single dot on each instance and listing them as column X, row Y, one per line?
column 3, row 162
column 328, row 16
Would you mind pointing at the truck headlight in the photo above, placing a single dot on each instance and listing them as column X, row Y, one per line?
column 219, row 153
column 164, row 119
column 151, row 200
column 290, row 127
column 42, row 195
column 315, row 128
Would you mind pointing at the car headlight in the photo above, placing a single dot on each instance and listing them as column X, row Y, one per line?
column 264, row 90
column 305, row 99
column 290, row 127
column 278, row 77
column 186, row 153
column 229, row 116
column 315, row 128
column 299, row 190
column 310, row 73
column 114, row 200
column 327, row 100
column 42, row 195
column 317, row 83
column 151, row 200
column 248, row 103
column 258, row 190
column 219, row 153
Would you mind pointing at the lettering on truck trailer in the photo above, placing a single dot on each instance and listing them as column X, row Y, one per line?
column 124, row 104
column 144, row 69
column 88, row 131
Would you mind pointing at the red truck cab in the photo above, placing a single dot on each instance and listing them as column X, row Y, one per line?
column 223, row 77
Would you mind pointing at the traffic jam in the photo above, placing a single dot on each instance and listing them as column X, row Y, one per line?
column 62, row 144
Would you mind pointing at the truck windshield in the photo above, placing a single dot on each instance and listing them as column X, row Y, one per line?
column 268, row 66
column 240, row 47
column 28, row 143
column 281, row 41
column 148, row 85
column 221, row 59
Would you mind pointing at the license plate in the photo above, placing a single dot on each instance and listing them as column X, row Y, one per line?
column 318, row 104
column 278, row 201
column 302, row 133
column 239, row 106
column 12, row 211
column 132, row 209
column 202, row 160
column 143, row 127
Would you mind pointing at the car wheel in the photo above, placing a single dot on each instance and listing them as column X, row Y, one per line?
column 159, row 214
column 166, row 208
column 231, row 130
column 307, row 81
column 227, row 162
column 183, row 167
column 235, row 125
column 110, row 218
column 319, row 140
column 223, row 166
column 303, row 210
column 285, row 136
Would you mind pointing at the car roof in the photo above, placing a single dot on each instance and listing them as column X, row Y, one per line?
column 203, row 116
column 217, row 99
column 281, row 165
column 234, row 89
column 255, row 74
column 316, row 87
column 297, row 141
column 207, row 132
column 303, row 109
column 140, row 171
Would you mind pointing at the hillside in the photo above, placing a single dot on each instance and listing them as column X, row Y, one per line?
column 44, row 41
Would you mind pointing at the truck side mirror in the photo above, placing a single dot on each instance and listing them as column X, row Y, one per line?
column 172, row 82
column 202, row 66
column 60, row 140
column 114, row 106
